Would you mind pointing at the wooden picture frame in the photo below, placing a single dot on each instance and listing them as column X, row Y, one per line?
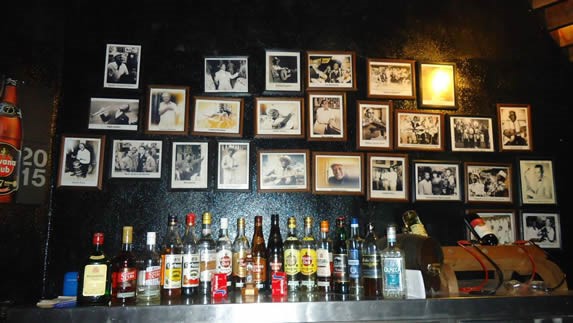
column 122, row 62
column 338, row 173
column 537, row 181
column 218, row 116
column 471, row 133
column 233, row 168
column 419, row 130
column 391, row 78
column 388, row 177
column 285, row 170
column 514, row 123
column 326, row 116
column 543, row 228
column 488, row 182
column 502, row 224
column 331, row 70
column 81, row 162
column 437, row 85
column 374, row 125
column 437, row 181
column 189, row 165
column 279, row 117
column 136, row 158
column 226, row 74
column 167, row 110
column 113, row 114
column 282, row 71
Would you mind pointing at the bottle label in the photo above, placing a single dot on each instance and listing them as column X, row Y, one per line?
column 94, row 280
column 323, row 258
column 418, row 229
column 190, row 270
column 292, row 261
column 340, row 263
column 371, row 266
column 259, row 270
column 148, row 281
column 393, row 274
column 172, row 271
column 239, row 265
column 9, row 158
column 354, row 269
column 207, row 265
column 309, row 262
column 482, row 230
column 224, row 262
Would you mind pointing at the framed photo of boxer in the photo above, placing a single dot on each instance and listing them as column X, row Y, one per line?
column 279, row 117
column 515, row 133
column 374, row 125
column 81, row 162
column 331, row 70
column 327, row 116
column 283, row 170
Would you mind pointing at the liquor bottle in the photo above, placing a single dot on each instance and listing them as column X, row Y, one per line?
column 324, row 259
column 479, row 228
column 354, row 245
column 275, row 250
column 149, row 273
column 340, row 258
column 207, row 255
column 94, row 279
column 393, row 267
column 224, row 256
column 10, row 142
column 259, row 253
column 308, row 259
column 292, row 257
column 371, row 264
column 124, row 272
column 171, row 263
column 413, row 223
column 190, row 259
column 241, row 248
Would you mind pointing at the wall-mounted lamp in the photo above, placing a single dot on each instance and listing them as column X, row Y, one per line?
column 437, row 85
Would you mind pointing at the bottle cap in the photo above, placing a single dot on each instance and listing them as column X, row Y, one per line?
column 340, row 221
column 127, row 234
column 354, row 222
column 241, row 222
column 190, row 218
column 292, row 222
column 324, row 226
column 98, row 238
column 258, row 219
column 172, row 220
column 206, row 218
column 151, row 238
column 224, row 223
column 308, row 220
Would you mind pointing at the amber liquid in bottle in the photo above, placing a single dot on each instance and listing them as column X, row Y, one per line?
column 94, row 279
column 241, row 248
column 10, row 143
column 124, row 272
column 171, row 263
column 340, row 280
column 259, row 253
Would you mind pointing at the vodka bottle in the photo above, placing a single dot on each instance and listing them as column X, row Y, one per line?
column 149, row 273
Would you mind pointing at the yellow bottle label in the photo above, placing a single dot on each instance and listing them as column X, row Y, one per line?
column 308, row 261
column 292, row 261
column 172, row 271
column 418, row 229
column 94, row 280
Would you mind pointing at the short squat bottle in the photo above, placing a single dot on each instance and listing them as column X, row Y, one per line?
column 393, row 267
column 94, row 279
column 149, row 273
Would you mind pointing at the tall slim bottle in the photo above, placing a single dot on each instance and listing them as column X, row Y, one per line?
column 171, row 263
column 340, row 282
column 292, row 257
column 124, row 272
column 393, row 267
column 259, row 253
column 308, row 258
column 149, row 273
column 224, row 257
column 324, row 259
column 207, row 255
column 10, row 142
column 190, row 262
column 94, row 279
column 354, row 259
column 241, row 248
column 371, row 264
column 275, row 250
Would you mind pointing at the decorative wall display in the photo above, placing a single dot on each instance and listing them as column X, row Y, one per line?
column 81, row 161
column 437, row 181
column 338, row 173
column 471, row 134
column 279, row 117
column 488, row 182
column 283, row 170
column 419, row 131
column 328, row 70
column 189, row 165
column 136, row 158
column 218, row 116
column 391, row 78
column 501, row 222
column 515, row 131
column 122, row 66
column 226, row 74
column 233, row 165
column 544, row 228
column 374, row 125
column 282, row 71
column 167, row 108
column 437, row 85
column 327, row 116
column 114, row 114
column 537, row 181
column 387, row 177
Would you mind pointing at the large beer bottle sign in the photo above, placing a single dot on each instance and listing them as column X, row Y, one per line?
column 8, row 169
column 10, row 142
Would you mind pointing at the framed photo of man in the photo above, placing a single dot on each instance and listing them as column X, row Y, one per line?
column 327, row 116
column 543, row 228
column 282, row 70
column 391, row 78
column 387, row 177
column 338, row 173
column 136, row 158
column 488, row 182
column 471, row 134
column 374, row 125
column 114, row 114
column 167, row 109
column 283, row 170
column 501, row 222
column 515, row 131
column 189, row 165
column 227, row 74
column 437, row 181
column 537, row 181
column 437, row 85
column 419, row 131
column 81, row 161
column 331, row 70
column 122, row 66
column 217, row 117
column 233, row 165
column 279, row 117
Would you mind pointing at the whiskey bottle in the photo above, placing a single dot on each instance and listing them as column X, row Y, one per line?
column 241, row 248
column 124, row 272
column 259, row 253
column 371, row 264
column 171, row 263
column 480, row 229
column 340, row 258
column 324, row 260
column 393, row 267
column 308, row 263
column 275, row 250
column 190, row 261
column 94, row 279
column 413, row 224
column 224, row 256
column 207, row 255
column 149, row 273
column 10, row 142
column 354, row 243
column 292, row 257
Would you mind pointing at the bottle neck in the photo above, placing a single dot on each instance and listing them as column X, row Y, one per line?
column 291, row 233
column 206, row 230
column 97, row 248
column 224, row 233
column 308, row 231
column 323, row 235
column 126, row 246
column 240, row 231
column 151, row 247
column 10, row 94
column 354, row 232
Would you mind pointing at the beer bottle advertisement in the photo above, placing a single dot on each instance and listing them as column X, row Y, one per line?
column 10, row 143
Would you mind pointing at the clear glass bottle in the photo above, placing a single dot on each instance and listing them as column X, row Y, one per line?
column 340, row 258
column 324, row 259
column 241, row 248
column 371, row 264
column 124, row 272
column 171, row 262
column 393, row 267
column 308, row 263
column 259, row 253
column 292, row 257
column 94, row 279
column 275, row 250
column 224, row 257
column 190, row 275
column 413, row 224
column 149, row 273
column 354, row 259
column 207, row 255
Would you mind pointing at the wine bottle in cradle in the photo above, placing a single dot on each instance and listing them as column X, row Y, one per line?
column 94, row 279
column 149, row 273
column 171, row 263
column 241, row 248
column 190, row 258
column 480, row 229
column 275, row 250
column 371, row 264
column 340, row 283
column 413, row 223
column 324, row 259
column 124, row 272
column 393, row 267
column 292, row 257
column 354, row 259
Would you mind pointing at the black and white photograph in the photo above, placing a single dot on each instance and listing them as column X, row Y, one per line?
column 387, row 177
column 189, row 165
column 327, row 116
column 436, row 181
column 338, row 173
column 167, row 109
column 537, row 181
column 114, row 114
column 136, row 159
column 226, row 74
column 488, row 182
column 391, row 78
column 122, row 66
column 283, row 170
column 279, row 117
column 233, row 165
column 471, row 134
column 544, row 229
column 373, row 121
column 331, row 70
column 81, row 161
column 515, row 133
column 437, row 85
column 218, row 116
column 419, row 131
column 501, row 222
column 282, row 70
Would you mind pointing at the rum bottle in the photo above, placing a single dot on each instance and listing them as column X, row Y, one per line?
column 224, row 256
column 354, row 259
column 124, row 272
column 94, row 279
column 241, row 248
column 476, row 224
column 340, row 258
column 149, row 274
column 371, row 264
column 292, row 257
column 324, row 259
column 259, row 254
column 190, row 261
column 393, row 267
column 171, row 263
column 308, row 263
column 10, row 142
column 413, row 223
column 275, row 250
column 207, row 255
